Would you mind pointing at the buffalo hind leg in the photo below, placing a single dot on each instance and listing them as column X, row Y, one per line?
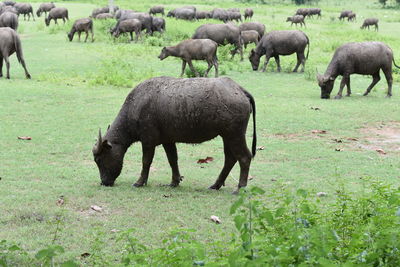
column 230, row 161
column 147, row 159
column 375, row 79
column 1, row 66
column 87, row 35
column 389, row 79
column 300, row 60
column 210, row 65
column 215, row 62
column 278, row 63
column 27, row 75
column 172, row 155
column 242, row 154
column 7, row 66
column 183, row 67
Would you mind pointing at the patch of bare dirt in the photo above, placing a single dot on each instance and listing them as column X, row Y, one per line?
column 382, row 138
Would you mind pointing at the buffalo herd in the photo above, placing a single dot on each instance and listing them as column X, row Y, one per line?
column 165, row 111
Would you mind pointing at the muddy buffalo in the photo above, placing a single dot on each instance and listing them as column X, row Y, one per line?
column 366, row 58
column 255, row 26
column 10, row 43
column 165, row 111
column 79, row 26
column 128, row 26
column 222, row 34
column 276, row 43
column 25, row 9
column 194, row 49
column 145, row 20
column 8, row 19
column 158, row 25
column 57, row 13
column 345, row 14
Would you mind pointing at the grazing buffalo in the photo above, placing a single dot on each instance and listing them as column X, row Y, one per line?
column 314, row 11
column 276, row 43
column 369, row 22
column 366, row 58
column 220, row 14
column 203, row 15
column 145, row 19
column 194, row 49
column 25, row 9
column 351, row 17
column 9, row 19
column 248, row 13
column 81, row 25
column 158, row 25
column 256, row 26
column 249, row 37
column 44, row 8
column 102, row 10
column 303, row 12
column 156, row 10
column 57, row 13
column 104, row 16
column 296, row 19
column 345, row 14
column 165, row 111
column 122, row 13
column 222, row 34
column 128, row 25
column 235, row 16
column 10, row 43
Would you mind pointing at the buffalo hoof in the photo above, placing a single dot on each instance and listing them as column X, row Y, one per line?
column 138, row 184
column 173, row 184
column 215, row 186
column 388, row 96
column 338, row 97
column 28, row 76
column 366, row 93
column 348, row 95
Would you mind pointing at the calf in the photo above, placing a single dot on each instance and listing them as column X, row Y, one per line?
column 369, row 22
column 351, row 17
column 156, row 10
column 256, row 26
column 194, row 49
column 296, row 19
column 345, row 14
column 250, row 37
column 158, row 25
column 44, row 8
column 248, row 13
column 81, row 25
column 57, row 13
column 10, row 43
column 366, row 58
column 128, row 25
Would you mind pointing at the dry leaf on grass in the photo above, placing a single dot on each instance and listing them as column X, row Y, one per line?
column 315, row 108
column 60, row 201
column 318, row 132
column 206, row 160
column 352, row 139
column 337, row 140
column 215, row 219
column 24, row 138
column 260, row 148
column 96, row 208
column 85, row 255
column 338, row 149
column 114, row 231
column 380, row 151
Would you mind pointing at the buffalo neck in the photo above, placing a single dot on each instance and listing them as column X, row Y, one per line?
column 332, row 70
column 174, row 51
column 119, row 132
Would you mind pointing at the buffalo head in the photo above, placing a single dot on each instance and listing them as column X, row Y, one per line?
column 254, row 59
column 109, row 158
column 164, row 53
column 326, row 83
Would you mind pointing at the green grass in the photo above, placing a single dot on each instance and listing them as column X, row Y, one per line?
column 79, row 87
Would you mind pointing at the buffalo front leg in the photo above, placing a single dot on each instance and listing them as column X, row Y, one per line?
column 230, row 161
column 278, row 63
column 147, row 159
column 348, row 86
column 1, row 66
column 79, row 36
column 172, row 155
column 267, row 57
column 131, row 35
column 342, row 84
column 215, row 62
column 7, row 66
column 183, row 67
column 87, row 35
column 375, row 79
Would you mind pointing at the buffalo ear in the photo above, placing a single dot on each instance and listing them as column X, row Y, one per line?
column 106, row 145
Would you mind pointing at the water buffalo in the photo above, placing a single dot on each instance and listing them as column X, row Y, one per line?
column 9, row 19
column 10, row 43
column 165, row 111
column 250, row 37
column 276, row 43
column 220, row 14
column 369, row 22
column 248, row 13
column 222, row 34
column 366, row 58
column 44, row 8
column 303, row 12
column 351, row 17
column 158, row 25
column 233, row 9
column 156, row 10
column 235, row 16
column 128, row 25
column 314, row 11
column 9, row 3
column 104, row 16
column 203, row 15
column 185, row 13
column 57, row 13
column 194, row 49
column 345, row 14
column 145, row 19
column 296, row 19
column 25, row 9
column 11, row 9
column 102, row 10
column 122, row 13
column 256, row 26
column 79, row 26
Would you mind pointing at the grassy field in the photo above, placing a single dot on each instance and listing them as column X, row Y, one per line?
column 78, row 87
